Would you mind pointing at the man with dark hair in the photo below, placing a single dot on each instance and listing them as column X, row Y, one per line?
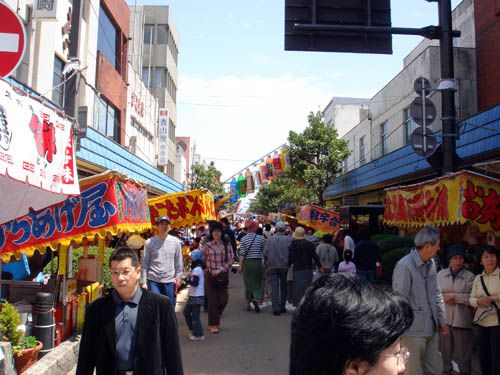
column 366, row 257
column 347, row 326
column 131, row 330
column 229, row 235
column 415, row 277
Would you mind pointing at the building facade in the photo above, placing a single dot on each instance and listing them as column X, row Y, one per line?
column 345, row 113
column 155, row 54
column 106, row 106
column 386, row 130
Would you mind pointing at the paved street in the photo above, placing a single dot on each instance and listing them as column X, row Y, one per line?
column 248, row 343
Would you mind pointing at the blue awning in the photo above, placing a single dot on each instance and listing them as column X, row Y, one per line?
column 101, row 151
column 479, row 135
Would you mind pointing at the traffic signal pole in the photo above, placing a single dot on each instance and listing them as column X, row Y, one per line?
column 449, row 122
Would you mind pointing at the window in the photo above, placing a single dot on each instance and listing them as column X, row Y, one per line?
column 57, row 79
column 410, row 125
column 107, row 37
column 146, row 76
column 384, row 136
column 149, row 37
column 344, row 165
column 362, row 159
column 142, row 130
column 171, row 131
column 108, row 119
column 162, row 36
column 161, row 77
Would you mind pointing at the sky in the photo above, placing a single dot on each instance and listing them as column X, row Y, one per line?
column 239, row 91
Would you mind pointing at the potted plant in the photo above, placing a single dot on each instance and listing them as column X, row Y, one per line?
column 25, row 349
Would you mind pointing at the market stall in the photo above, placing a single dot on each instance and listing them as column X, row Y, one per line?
column 467, row 204
column 185, row 209
column 109, row 205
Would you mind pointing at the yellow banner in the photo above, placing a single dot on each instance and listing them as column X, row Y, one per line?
column 455, row 199
column 185, row 208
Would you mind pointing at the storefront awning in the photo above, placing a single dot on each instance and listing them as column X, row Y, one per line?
column 109, row 203
column 185, row 208
column 458, row 198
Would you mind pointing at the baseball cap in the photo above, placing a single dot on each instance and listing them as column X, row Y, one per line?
column 280, row 225
column 196, row 255
column 163, row 218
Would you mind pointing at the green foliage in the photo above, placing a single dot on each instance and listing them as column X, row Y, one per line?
column 274, row 195
column 206, row 178
column 316, row 155
column 389, row 260
column 376, row 238
column 77, row 254
column 9, row 320
column 392, row 243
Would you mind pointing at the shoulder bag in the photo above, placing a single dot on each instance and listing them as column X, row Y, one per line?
column 481, row 312
column 222, row 278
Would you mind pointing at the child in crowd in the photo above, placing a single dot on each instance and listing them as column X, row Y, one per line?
column 347, row 266
column 196, row 294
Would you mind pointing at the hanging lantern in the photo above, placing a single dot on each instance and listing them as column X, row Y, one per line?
column 277, row 164
column 285, row 159
column 269, row 166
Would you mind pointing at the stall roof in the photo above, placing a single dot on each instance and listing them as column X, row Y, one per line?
column 479, row 134
column 100, row 150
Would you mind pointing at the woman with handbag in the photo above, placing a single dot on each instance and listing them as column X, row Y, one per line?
column 218, row 260
column 485, row 297
column 251, row 259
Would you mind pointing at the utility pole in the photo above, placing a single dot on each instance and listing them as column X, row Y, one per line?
column 71, row 86
column 449, row 121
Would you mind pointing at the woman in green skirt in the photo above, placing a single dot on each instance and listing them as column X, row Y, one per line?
column 251, row 259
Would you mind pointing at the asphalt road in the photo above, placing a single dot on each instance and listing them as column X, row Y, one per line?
column 248, row 343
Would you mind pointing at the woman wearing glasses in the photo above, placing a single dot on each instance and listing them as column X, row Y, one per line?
column 347, row 326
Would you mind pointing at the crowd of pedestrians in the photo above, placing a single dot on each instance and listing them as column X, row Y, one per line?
column 420, row 325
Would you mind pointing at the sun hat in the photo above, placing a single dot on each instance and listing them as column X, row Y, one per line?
column 196, row 255
column 299, row 233
column 251, row 225
column 280, row 225
column 455, row 249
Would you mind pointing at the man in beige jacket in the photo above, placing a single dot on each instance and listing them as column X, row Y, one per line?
column 456, row 284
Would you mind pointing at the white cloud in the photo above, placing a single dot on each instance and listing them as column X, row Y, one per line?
column 243, row 118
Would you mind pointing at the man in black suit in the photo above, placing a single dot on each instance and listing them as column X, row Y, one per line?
column 130, row 331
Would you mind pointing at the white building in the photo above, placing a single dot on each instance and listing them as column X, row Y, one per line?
column 154, row 52
column 388, row 124
column 345, row 113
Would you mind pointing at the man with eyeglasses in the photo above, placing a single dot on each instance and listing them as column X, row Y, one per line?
column 415, row 278
column 130, row 331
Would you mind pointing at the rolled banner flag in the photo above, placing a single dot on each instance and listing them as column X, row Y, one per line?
column 249, row 181
column 242, row 186
column 233, row 191
column 277, row 164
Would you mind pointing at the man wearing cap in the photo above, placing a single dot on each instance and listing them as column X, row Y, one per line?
column 456, row 284
column 162, row 263
column 276, row 254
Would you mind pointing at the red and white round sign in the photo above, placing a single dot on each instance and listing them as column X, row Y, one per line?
column 12, row 40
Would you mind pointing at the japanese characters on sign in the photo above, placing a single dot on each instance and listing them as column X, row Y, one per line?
column 185, row 208
column 320, row 219
column 163, row 125
column 456, row 199
column 104, row 205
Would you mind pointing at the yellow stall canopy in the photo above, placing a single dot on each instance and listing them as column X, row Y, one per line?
column 185, row 208
column 459, row 198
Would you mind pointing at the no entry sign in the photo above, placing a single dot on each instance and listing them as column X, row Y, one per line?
column 12, row 40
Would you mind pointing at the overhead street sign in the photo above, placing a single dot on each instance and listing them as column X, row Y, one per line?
column 423, row 115
column 12, row 40
column 423, row 141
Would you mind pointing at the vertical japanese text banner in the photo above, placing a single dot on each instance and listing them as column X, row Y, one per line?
column 163, row 124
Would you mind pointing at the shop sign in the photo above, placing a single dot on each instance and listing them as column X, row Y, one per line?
column 319, row 218
column 455, row 199
column 185, row 208
column 137, row 104
column 106, row 204
column 163, row 124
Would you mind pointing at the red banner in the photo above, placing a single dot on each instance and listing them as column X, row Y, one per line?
column 108, row 203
